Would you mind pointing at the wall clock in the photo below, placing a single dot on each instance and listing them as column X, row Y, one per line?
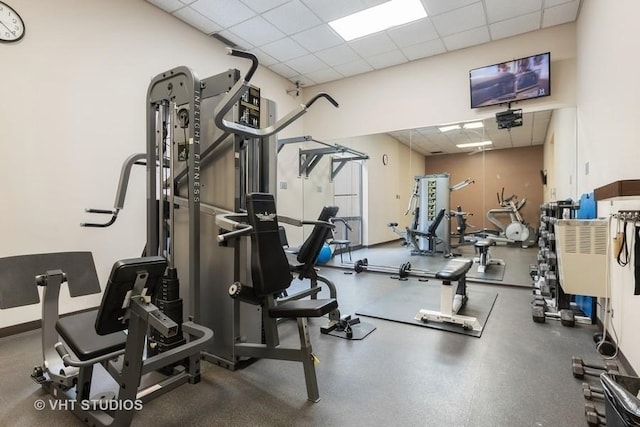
column 11, row 24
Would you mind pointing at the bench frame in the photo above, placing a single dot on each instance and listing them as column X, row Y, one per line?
column 454, row 271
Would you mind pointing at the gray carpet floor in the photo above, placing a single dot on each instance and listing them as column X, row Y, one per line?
column 517, row 374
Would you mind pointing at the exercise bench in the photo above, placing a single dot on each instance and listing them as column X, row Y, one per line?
column 453, row 296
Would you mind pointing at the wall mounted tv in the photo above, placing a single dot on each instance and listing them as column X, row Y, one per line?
column 517, row 80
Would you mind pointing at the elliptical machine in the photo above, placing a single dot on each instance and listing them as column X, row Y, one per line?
column 517, row 230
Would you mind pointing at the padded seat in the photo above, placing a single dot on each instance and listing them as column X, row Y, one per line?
column 482, row 243
column 79, row 334
column 454, row 269
column 303, row 308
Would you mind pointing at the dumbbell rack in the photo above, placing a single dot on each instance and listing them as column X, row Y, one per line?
column 550, row 299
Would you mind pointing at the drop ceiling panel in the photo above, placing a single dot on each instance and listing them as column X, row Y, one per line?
column 223, row 12
column 168, row 5
column 374, row 44
column 514, row 26
column 423, row 50
column 283, row 30
column 306, row 64
column 328, row 10
column 353, row 68
column 467, row 38
column 437, row 7
column 325, row 75
column 197, row 20
column 257, row 31
column 284, row 49
column 459, row 20
column 566, row 12
column 499, row 10
column 318, row 38
column 292, row 17
column 387, row 59
column 413, row 33
column 337, row 55
column 263, row 5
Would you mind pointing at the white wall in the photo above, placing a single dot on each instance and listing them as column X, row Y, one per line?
column 435, row 90
column 608, row 133
column 73, row 108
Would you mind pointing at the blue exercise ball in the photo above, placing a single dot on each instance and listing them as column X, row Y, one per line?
column 325, row 254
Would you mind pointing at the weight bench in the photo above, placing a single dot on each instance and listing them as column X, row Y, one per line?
column 271, row 275
column 484, row 258
column 452, row 297
column 75, row 344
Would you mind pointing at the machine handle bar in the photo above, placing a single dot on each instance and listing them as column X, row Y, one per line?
column 112, row 212
column 323, row 95
column 247, row 55
column 236, row 93
column 235, row 233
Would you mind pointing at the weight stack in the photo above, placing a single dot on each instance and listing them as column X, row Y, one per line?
column 167, row 299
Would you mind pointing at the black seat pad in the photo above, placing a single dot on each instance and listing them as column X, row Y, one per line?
column 303, row 308
column 79, row 334
column 454, row 269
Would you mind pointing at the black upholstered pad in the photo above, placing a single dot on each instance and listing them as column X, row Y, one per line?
column 304, row 308
column 17, row 276
column 269, row 265
column 122, row 280
column 311, row 247
column 78, row 332
column 454, row 269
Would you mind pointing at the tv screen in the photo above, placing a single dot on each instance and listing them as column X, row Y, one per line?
column 524, row 78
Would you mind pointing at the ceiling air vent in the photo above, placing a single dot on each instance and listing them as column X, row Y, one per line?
column 436, row 152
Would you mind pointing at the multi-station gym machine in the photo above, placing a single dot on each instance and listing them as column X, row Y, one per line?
column 430, row 230
column 210, row 142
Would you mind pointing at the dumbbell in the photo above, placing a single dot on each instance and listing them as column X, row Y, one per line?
column 595, row 417
column 608, row 366
column 580, row 370
column 590, row 392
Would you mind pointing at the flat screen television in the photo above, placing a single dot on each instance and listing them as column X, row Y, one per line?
column 511, row 81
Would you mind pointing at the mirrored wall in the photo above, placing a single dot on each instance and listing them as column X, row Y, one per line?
column 372, row 178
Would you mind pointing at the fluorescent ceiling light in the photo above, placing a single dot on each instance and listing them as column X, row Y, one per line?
column 448, row 128
column 474, row 144
column 473, row 125
column 378, row 18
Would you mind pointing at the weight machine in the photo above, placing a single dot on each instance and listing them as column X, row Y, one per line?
column 210, row 142
column 430, row 229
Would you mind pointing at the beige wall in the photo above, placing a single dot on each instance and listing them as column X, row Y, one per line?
column 387, row 188
column 517, row 170
column 73, row 108
column 560, row 156
column 435, row 90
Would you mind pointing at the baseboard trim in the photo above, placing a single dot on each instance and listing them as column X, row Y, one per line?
column 33, row 325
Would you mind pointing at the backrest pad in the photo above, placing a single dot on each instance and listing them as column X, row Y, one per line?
column 121, row 280
column 311, row 247
column 269, row 266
